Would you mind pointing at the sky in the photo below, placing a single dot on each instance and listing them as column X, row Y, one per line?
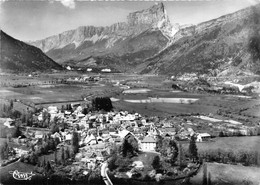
column 29, row 20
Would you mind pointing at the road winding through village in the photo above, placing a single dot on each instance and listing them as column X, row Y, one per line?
column 104, row 175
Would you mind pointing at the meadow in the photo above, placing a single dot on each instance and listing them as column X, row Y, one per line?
column 235, row 144
column 229, row 175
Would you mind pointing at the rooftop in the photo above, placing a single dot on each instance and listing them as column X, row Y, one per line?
column 148, row 139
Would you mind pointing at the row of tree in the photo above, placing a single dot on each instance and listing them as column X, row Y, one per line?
column 7, row 111
column 247, row 158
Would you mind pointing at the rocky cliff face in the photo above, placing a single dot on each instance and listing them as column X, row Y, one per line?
column 18, row 56
column 223, row 46
column 144, row 34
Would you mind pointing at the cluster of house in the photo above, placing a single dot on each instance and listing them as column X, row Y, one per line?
column 99, row 131
column 8, row 122
column 229, row 129
column 113, row 127
column 186, row 77
column 84, row 79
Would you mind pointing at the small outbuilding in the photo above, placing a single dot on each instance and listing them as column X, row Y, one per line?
column 202, row 137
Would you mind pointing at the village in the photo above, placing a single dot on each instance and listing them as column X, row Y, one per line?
column 99, row 131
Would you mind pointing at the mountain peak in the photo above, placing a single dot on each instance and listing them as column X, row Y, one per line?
column 149, row 16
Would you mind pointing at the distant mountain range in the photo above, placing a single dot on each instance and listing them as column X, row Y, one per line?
column 148, row 43
column 121, row 46
column 18, row 56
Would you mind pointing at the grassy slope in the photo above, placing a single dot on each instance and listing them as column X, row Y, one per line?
column 147, row 159
column 5, row 176
column 19, row 56
column 229, row 175
column 235, row 144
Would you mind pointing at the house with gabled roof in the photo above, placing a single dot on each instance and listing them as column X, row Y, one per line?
column 38, row 134
column 148, row 143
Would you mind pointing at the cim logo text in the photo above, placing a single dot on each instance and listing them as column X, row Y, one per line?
column 21, row 175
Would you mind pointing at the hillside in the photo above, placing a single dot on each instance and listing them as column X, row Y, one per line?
column 20, row 57
column 223, row 46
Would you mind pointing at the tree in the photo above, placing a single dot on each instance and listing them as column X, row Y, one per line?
column 168, row 149
column 129, row 146
column 11, row 104
column 209, row 179
column 16, row 114
column 193, row 151
column 102, row 103
column 56, row 141
column 67, row 154
column 5, row 108
column 4, row 150
column 23, row 118
column 205, row 172
column 55, row 157
column 62, row 156
column 221, row 134
column 51, row 144
column 181, row 155
column 126, row 147
column 156, row 164
column 159, row 143
column 75, row 142
column 54, row 128
column 9, row 137
column 85, row 110
column 62, row 109
column 43, row 163
column 48, row 169
column 33, row 159
column 111, row 162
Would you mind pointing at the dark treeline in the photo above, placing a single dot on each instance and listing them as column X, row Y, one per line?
column 102, row 103
column 246, row 158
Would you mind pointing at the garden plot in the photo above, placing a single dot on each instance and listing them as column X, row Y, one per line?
column 35, row 98
column 239, row 96
column 114, row 99
column 164, row 100
column 233, row 122
column 218, row 120
column 135, row 91
column 208, row 118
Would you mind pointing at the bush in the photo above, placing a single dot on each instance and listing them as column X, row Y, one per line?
column 123, row 164
column 156, row 163
column 95, row 177
column 112, row 163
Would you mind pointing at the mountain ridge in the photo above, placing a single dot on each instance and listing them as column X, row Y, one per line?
column 144, row 33
column 136, row 23
column 148, row 43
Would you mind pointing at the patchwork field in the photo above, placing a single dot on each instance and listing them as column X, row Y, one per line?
column 148, row 95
